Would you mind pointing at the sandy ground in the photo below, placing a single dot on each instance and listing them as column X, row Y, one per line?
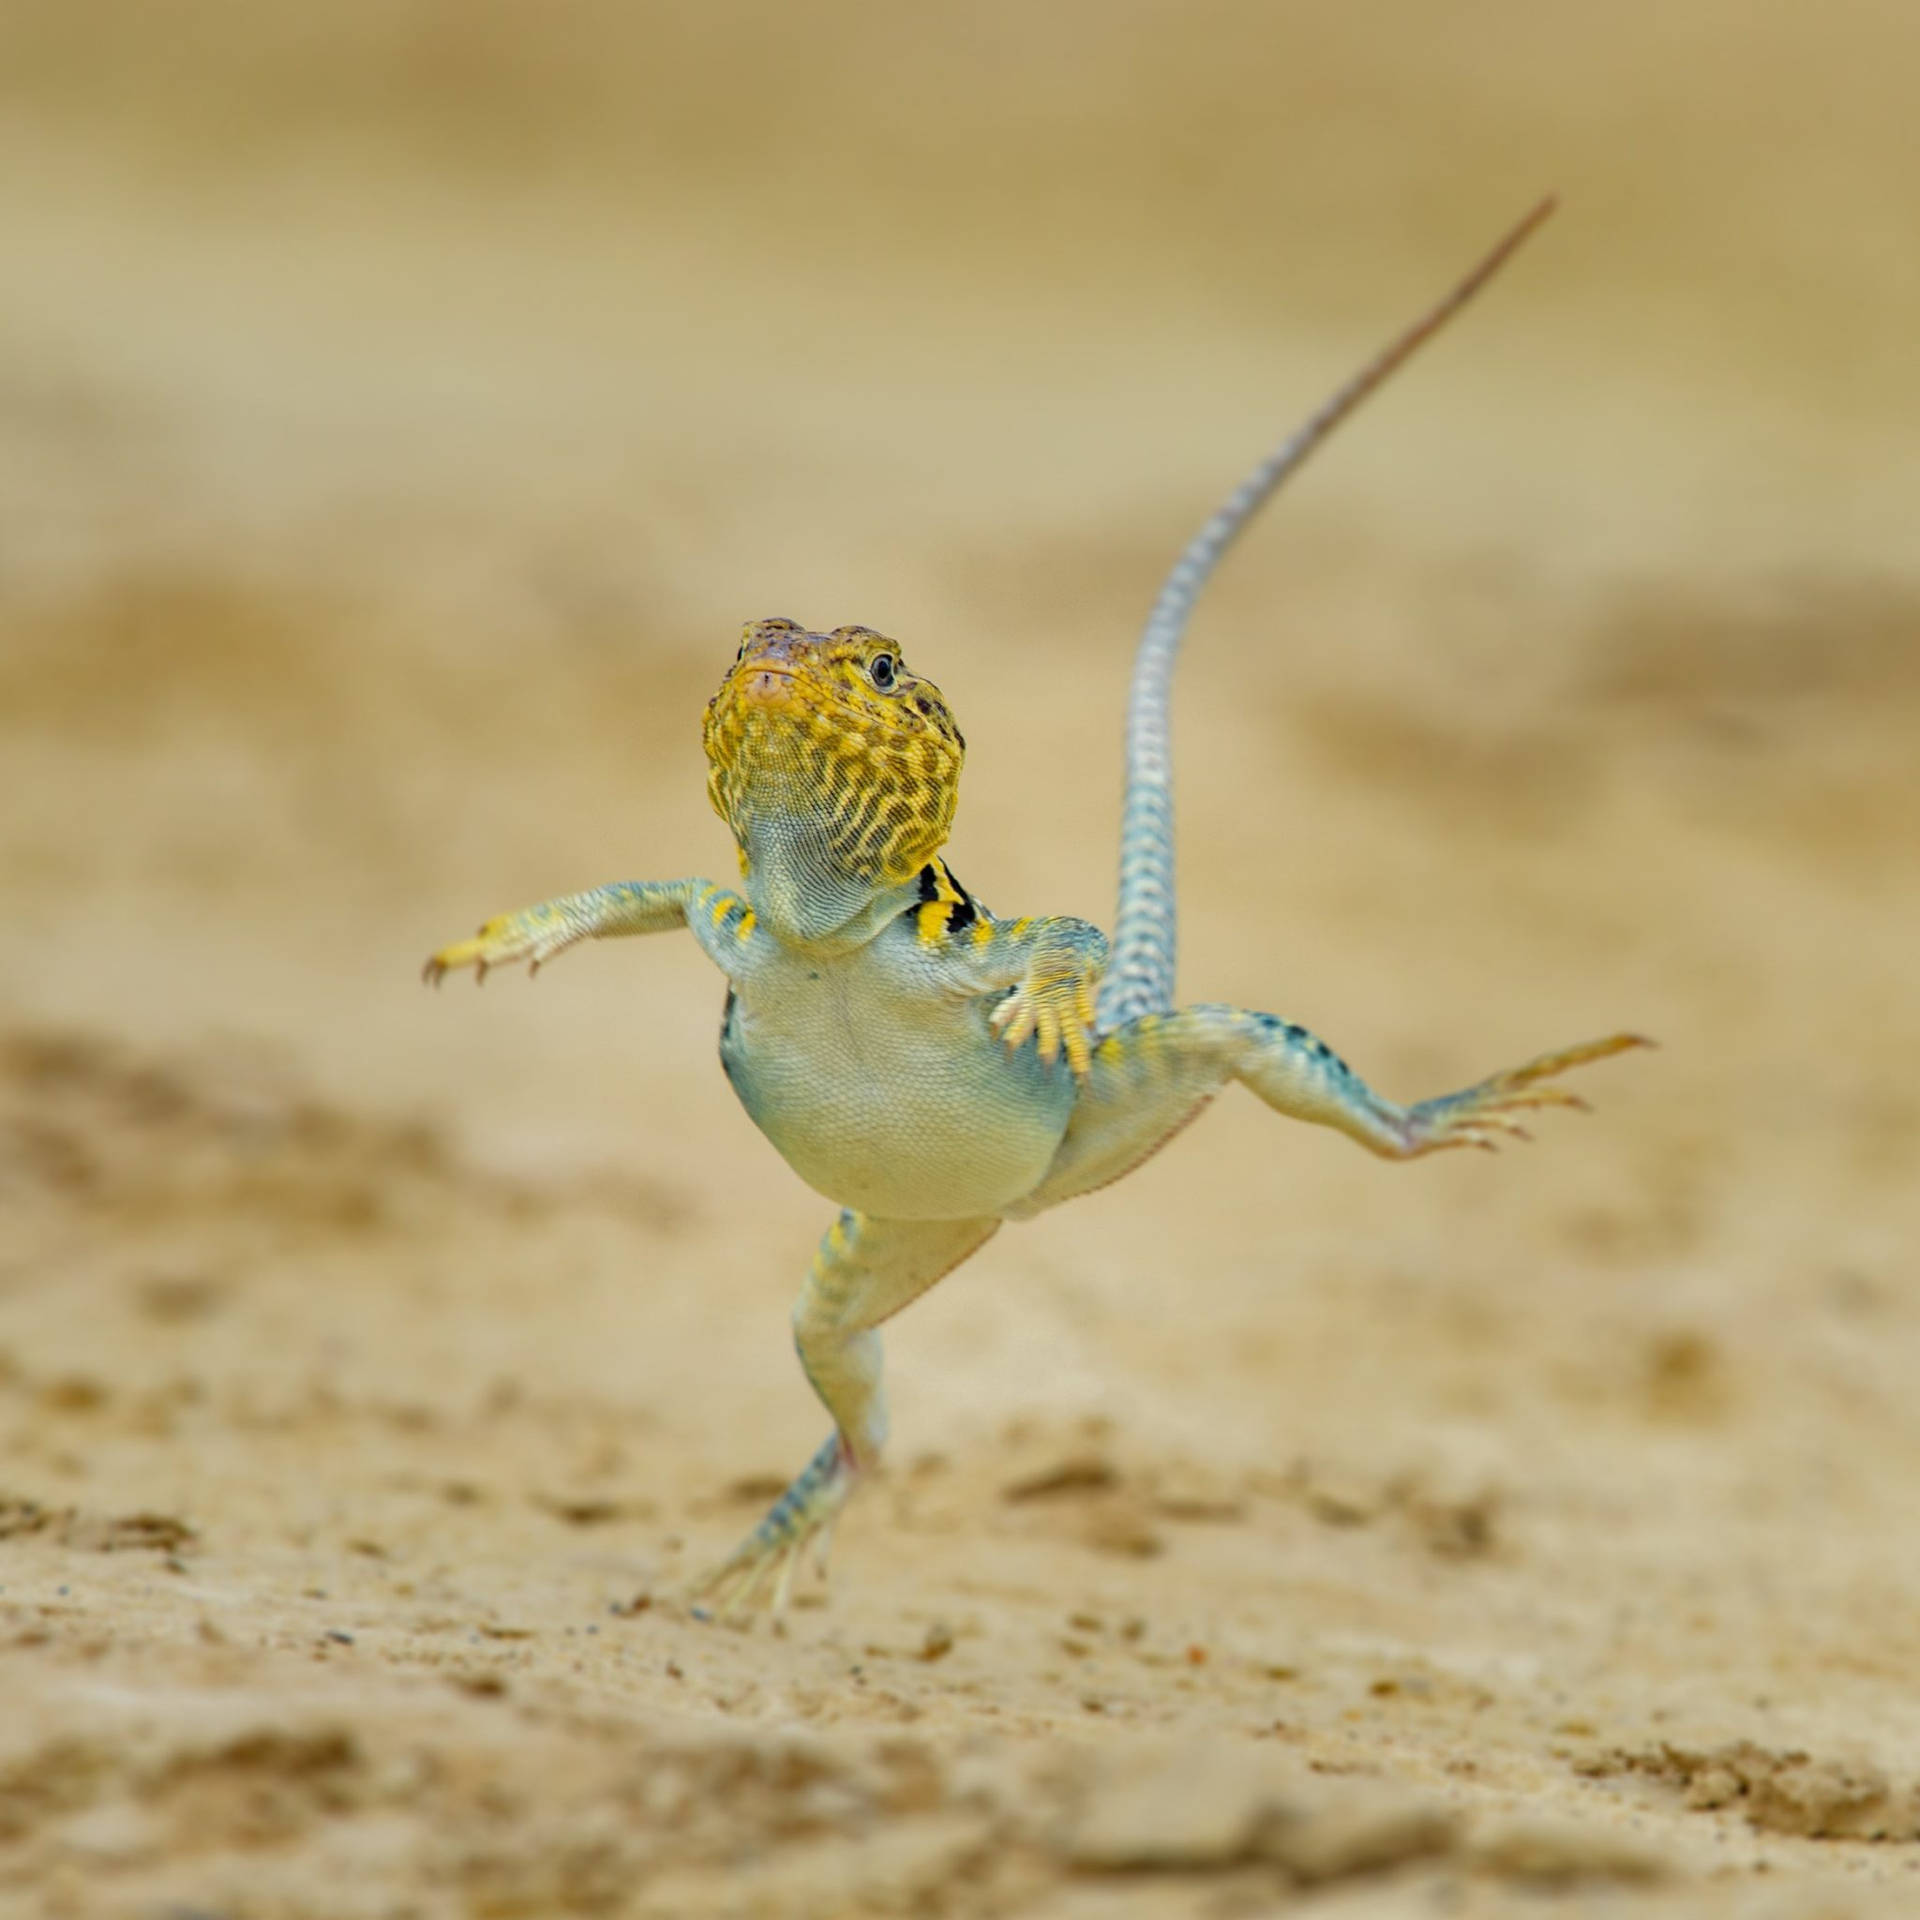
column 400, row 409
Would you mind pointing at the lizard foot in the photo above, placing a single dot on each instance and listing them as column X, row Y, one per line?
column 761, row 1569
column 534, row 934
column 1056, row 1011
column 1479, row 1115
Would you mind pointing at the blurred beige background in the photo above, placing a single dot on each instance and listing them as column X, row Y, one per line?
column 401, row 406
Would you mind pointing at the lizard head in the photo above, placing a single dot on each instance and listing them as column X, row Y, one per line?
column 836, row 767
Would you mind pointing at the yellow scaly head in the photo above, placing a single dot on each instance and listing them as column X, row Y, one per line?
column 836, row 768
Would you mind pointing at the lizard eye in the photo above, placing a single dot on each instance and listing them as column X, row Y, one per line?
column 880, row 670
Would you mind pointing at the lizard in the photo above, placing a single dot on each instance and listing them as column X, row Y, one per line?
column 933, row 1068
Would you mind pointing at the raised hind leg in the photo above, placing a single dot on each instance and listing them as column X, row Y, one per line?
column 865, row 1271
column 1148, row 1078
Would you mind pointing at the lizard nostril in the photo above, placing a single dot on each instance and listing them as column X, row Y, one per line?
column 765, row 686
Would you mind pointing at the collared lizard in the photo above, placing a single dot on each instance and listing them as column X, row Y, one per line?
column 933, row 1068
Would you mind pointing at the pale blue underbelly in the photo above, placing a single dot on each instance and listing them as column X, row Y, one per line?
column 918, row 1116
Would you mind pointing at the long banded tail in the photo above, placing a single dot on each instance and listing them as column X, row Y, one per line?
column 1139, row 977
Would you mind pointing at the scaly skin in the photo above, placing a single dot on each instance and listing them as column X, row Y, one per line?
column 933, row 1069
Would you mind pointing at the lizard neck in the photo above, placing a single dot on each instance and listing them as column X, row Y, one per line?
column 804, row 898
column 802, row 906
column 805, row 907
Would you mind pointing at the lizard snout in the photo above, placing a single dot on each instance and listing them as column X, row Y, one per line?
column 769, row 662
column 764, row 685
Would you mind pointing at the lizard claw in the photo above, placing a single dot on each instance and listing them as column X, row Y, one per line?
column 761, row 1569
column 1475, row 1117
column 1055, row 1012
column 534, row 936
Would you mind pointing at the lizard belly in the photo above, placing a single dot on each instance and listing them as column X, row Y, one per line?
column 902, row 1109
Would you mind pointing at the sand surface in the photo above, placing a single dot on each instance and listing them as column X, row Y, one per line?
column 401, row 406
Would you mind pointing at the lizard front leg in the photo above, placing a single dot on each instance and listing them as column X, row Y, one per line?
column 1151, row 1076
column 865, row 1271
column 719, row 919
column 1047, row 969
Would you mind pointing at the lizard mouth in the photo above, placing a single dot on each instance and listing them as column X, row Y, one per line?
column 766, row 684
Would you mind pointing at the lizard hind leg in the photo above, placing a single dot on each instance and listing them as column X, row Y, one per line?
column 1152, row 1075
column 865, row 1271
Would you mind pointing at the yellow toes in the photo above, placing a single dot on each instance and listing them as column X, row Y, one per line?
column 500, row 942
column 1483, row 1114
column 1056, row 1014
column 1551, row 1063
column 463, row 953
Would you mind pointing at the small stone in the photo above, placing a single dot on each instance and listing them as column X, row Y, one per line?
column 1712, row 1787
column 1829, row 1800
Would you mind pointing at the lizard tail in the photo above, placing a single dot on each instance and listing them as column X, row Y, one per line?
column 1139, row 976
